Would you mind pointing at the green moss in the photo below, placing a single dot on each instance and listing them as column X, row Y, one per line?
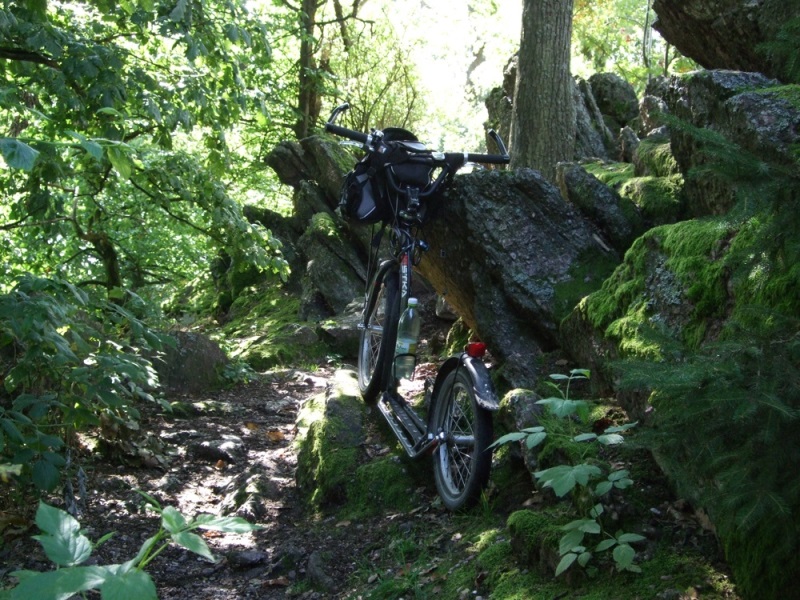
column 323, row 224
column 655, row 154
column 535, row 535
column 457, row 337
column 790, row 93
column 613, row 174
column 666, row 267
column 264, row 332
column 766, row 276
column 585, row 276
column 658, row 198
column 329, row 442
column 379, row 486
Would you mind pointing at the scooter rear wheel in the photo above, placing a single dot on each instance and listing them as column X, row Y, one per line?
column 462, row 461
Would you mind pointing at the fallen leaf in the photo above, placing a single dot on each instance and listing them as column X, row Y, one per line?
column 279, row 582
column 276, row 435
column 251, row 426
column 220, row 465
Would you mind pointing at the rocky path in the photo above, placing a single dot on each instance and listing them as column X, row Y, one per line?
column 231, row 453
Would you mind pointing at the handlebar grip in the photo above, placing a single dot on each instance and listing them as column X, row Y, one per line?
column 356, row 136
column 494, row 159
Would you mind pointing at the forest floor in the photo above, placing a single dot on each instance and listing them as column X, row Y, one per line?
column 227, row 440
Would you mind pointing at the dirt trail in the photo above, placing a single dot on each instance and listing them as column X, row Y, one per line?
column 229, row 449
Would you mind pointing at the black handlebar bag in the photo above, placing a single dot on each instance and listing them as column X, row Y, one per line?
column 367, row 196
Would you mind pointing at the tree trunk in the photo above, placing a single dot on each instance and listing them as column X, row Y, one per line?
column 308, row 98
column 543, row 123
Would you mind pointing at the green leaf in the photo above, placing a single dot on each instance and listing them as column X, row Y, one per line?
column 151, row 502
column 565, row 477
column 535, row 439
column 585, row 437
column 536, row 429
column 603, row 488
column 508, row 438
column 120, row 161
column 193, row 542
column 618, row 475
column 179, row 12
column 584, row 558
column 623, row 555
column 610, row 439
column 18, row 155
column 133, row 584
column 585, row 525
column 173, row 520
column 621, row 428
column 67, row 551
column 54, row 521
column 596, row 511
column 565, row 563
column 605, row 545
column 570, row 541
column 629, row 538
column 107, row 110
column 580, row 373
column 564, row 408
column 59, row 585
column 62, row 541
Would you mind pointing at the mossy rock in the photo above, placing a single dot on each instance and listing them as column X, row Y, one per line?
column 534, row 538
column 330, row 442
column 613, row 174
column 265, row 332
column 659, row 199
column 380, row 485
column 654, row 157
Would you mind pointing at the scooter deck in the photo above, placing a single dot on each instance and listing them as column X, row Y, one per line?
column 410, row 429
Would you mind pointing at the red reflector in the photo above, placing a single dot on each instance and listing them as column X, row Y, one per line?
column 476, row 349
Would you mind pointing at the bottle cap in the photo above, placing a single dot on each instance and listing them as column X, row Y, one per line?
column 412, row 301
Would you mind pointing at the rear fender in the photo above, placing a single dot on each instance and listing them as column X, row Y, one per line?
column 482, row 384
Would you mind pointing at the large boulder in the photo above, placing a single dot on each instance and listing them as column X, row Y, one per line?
column 730, row 34
column 191, row 363
column 617, row 217
column 593, row 138
column 334, row 274
column 512, row 258
column 747, row 109
column 616, row 99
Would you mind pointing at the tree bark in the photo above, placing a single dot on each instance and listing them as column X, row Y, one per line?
column 308, row 98
column 543, row 122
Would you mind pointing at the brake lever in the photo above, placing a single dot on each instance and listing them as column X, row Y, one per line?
column 337, row 111
column 499, row 141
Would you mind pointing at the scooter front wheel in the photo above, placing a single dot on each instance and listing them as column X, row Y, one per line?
column 462, row 460
column 378, row 335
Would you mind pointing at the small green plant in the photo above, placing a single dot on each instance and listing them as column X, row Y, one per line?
column 67, row 547
column 585, row 480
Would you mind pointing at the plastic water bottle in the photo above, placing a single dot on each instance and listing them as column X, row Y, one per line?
column 407, row 336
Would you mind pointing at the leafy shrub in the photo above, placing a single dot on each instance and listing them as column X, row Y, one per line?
column 68, row 362
column 67, row 547
column 586, row 480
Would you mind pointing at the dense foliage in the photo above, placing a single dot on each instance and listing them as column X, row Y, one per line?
column 727, row 412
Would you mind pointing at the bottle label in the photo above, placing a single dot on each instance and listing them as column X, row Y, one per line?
column 406, row 346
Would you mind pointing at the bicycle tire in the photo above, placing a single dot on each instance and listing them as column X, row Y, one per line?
column 462, row 462
column 379, row 335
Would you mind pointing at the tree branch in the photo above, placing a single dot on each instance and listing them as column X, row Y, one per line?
column 22, row 223
column 27, row 56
